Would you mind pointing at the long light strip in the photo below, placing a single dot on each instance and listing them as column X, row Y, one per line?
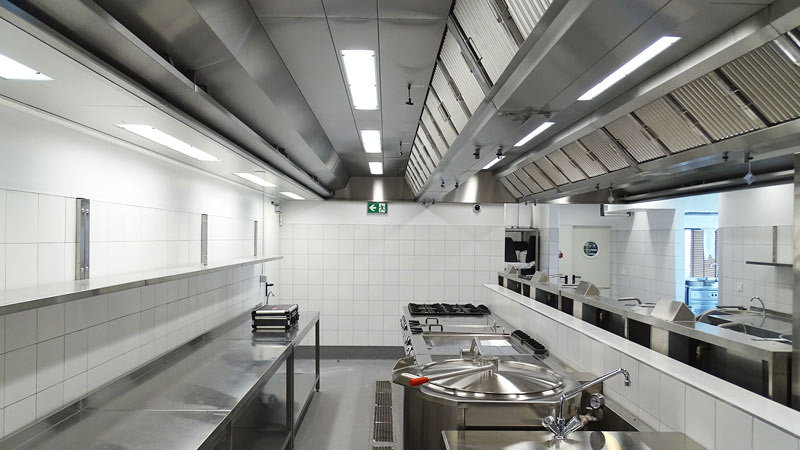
column 539, row 130
column 255, row 179
column 159, row 137
column 359, row 68
column 371, row 140
column 13, row 70
column 376, row 168
column 494, row 161
column 626, row 69
column 292, row 196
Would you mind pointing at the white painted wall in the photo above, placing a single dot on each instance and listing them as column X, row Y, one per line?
column 766, row 206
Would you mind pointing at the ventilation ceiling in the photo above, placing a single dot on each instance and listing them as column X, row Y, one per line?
column 552, row 172
column 566, row 166
column 636, row 140
column 671, row 126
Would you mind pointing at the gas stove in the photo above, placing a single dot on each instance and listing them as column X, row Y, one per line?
column 447, row 309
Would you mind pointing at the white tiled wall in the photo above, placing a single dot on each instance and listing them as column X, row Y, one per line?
column 671, row 399
column 644, row 262
column 739, row 281
column 359, row 276
column 54, row 355
column 548, row 251
column 37, row 239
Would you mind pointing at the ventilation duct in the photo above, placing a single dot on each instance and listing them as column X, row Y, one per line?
column 527, row 13
column 441, row 117
column 641, row 146
column 537, row 176
column 716, row 107
column 433, row 130
column 516, row 193
column 566, row 166
column 514, row 180
column 465, row 81
column 603, row 151
column 488, row 37
column 584, row 159
column 453, row 108
column 432, row 156
column 671, row 126
column 769, row 80
column 551, row 171
column 424, row 137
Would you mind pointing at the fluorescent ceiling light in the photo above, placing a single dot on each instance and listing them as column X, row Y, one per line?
column 359, row 68
column 292, row 195
column 376, row 168
column 255, row 179
column 539, row 130
column 646, row 55
column 12, row 70
column 494, row 161
column 159, row 137
column 371, row 140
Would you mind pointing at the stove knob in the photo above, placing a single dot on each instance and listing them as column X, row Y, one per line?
column 408, row 340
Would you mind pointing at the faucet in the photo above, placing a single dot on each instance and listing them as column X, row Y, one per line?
column 269, row 294
column 559, row 425
column 559, row 275
column 716, row 268
column 763, row 308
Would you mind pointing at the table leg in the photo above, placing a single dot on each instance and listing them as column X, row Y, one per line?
column 290, row 397
column 316, row 352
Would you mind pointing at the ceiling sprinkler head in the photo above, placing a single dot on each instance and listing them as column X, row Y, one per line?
column 442, row 185
column 477, row 153
column 409, row 102
column 456, row 184
column 499, row 153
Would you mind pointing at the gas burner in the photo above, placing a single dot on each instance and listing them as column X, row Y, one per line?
column 447, row 309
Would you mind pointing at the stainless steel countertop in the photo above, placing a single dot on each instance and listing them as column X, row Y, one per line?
column 50, row 294
column 729, row 339
column 183, row 403
column 579, row 440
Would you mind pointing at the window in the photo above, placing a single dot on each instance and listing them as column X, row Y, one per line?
column 701, row 254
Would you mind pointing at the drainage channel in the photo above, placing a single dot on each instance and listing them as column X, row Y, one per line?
column 382, row 424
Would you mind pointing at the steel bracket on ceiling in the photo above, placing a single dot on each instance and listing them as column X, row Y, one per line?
column 522, row 115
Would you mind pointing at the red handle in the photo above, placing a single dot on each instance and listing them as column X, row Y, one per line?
column 418, row 381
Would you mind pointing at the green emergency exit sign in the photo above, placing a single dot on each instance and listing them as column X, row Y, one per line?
column 377, row 207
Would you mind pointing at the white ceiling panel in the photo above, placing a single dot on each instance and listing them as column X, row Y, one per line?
column 414, row 9
column 288, row 8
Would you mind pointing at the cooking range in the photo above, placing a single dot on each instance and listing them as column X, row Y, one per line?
column 447, row 309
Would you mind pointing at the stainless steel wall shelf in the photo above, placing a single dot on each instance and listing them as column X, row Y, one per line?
column 46, row 295
column 768, row 263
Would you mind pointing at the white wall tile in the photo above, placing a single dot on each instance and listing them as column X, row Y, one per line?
column 51, row 219
column 75, row 388
column 75, row 353
column 734, row 428
column 50, row 322
column 20, row 329
column 20, row 414
column 673, row 403
column 766, row 436
column 650, row 390
column 21, row 266
column 51, row 261
column 20, row 374
column 2, row 216
column 49, row 363
column 49, row 400
column 21, row 217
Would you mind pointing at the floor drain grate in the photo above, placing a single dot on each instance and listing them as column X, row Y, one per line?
column 383, row 448
column 382, row 423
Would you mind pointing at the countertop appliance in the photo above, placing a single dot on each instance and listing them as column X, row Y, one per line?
column 701, row 294
column 447, row 309
column 275, row 317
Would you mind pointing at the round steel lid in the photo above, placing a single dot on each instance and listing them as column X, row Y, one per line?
column 513, row 380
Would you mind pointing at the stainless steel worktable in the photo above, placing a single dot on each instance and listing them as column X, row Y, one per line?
column 188, row 399
column 579, row 440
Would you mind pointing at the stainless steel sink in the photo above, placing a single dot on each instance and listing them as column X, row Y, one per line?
column 451, row 344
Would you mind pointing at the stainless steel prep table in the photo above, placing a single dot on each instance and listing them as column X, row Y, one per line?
column 579, row 440
column 188, row 399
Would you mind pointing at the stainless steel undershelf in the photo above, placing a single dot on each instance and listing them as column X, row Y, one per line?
column 36, row 297
column 187, row 399
column 579, row 440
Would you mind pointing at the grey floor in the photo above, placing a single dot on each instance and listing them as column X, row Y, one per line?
column 340, row 415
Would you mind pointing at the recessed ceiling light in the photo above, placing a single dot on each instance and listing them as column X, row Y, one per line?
column 255, row 179
column 539, row 130
column 292, row 195
column 376, row 168
column 494, row 161
column 159, row 137
column 637, row 61
column 13, row 70
column 359, row 68
column 371, row 140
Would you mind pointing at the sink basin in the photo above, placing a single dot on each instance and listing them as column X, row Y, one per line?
column 491, row 344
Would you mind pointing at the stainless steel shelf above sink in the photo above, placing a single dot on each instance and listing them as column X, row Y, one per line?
column 768, row 263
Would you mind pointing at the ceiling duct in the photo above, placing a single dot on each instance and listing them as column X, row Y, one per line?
column 672, row 127
column 584, row 159
column 490, row 39
column 448, row 98
column 566, row 166
column 716, row 107
column 603, row 151
column 465, row 81
column 551, row 171
column 433, row 131
column 527, row 13
column 537, row 176
column 441, row 117
column 519, row 185
column 423, row 136
column 432, row 156
column 769, row 80
column 637, row 141
column 516, row 193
